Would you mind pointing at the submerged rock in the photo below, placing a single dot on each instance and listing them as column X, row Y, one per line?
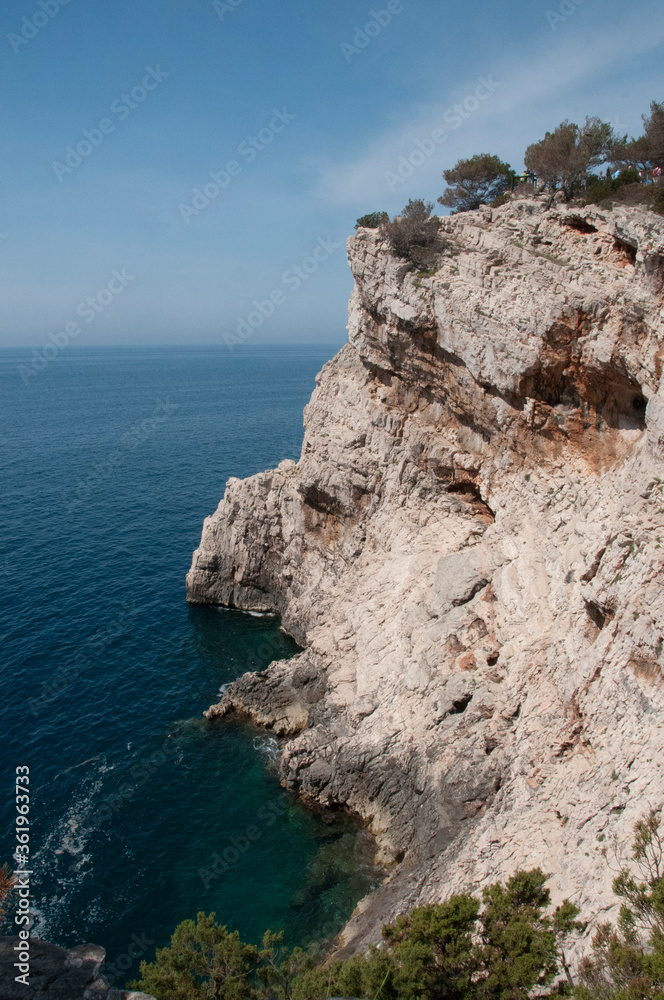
column 469, row 551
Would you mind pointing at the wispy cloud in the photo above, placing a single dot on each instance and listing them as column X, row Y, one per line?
column 533, row 89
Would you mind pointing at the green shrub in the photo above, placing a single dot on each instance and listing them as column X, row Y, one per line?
column 415, row 235
column 626, row 189
column 372, row 221
column 457, row 950
column 205, row 961
column 627, row 961
column 502, row 199
column 658, row 200
column 600, row 188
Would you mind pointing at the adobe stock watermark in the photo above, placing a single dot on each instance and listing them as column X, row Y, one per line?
column 87, row 658
column 453, row 118
column 224, row 7
column 379, row 20
column 88, row 310
column 227, row 857
column 120, row 108
column 292, row 279
column 117, row 969
column 130, row 440
column 564, row 12
column 31, row 26
column 249, row 149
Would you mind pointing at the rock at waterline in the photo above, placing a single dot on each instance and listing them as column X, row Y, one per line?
column 58, row 973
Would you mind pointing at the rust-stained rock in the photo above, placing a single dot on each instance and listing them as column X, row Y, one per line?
column 470, row 551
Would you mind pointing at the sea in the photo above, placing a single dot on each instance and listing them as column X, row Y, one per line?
column 141, row 813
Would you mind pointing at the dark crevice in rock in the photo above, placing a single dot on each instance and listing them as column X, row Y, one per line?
column 603, row 398
column 316, row 498
column 461, row 704
column 591, row 573
column 594, row 613
column 580, row 225
column 480, row 585
column 654, row 268
column 470, row 492
column 626, row 250
column 466, row 488
column 598, row 615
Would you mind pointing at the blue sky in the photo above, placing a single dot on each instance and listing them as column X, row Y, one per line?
column 218, row 77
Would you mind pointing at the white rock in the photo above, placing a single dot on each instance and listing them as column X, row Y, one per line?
column 478, row 510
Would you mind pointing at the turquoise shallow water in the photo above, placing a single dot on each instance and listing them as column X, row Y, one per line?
column 111, row 459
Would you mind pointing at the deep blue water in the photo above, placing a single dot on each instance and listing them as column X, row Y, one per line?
column 111, row 459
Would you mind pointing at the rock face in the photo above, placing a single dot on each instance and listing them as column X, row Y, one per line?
column 58, row 973
column 470, row 551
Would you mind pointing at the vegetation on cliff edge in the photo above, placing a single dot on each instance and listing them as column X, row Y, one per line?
column 415, row 234
column 505, row 946
column 562, row 161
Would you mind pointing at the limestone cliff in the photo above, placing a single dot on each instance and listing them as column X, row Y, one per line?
column 470, row 552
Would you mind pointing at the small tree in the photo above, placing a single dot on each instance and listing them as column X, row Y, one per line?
column 627, row 962
column 204, row 959
column 432, row 949
column 654, row 133
column 520, row 945
column 564, row 157
column 415, row 234
column 646, row 151
column 644, row 894
column 601, row 188
column 445, row 951
column 372, row 221
column 631, row 153
column 475, row 182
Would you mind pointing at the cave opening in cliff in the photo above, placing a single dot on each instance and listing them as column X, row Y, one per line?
column 608, row 399
column 579, row 225
column 625, row 250
column 623, row 407
column 470, row 494
column 319, row 500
